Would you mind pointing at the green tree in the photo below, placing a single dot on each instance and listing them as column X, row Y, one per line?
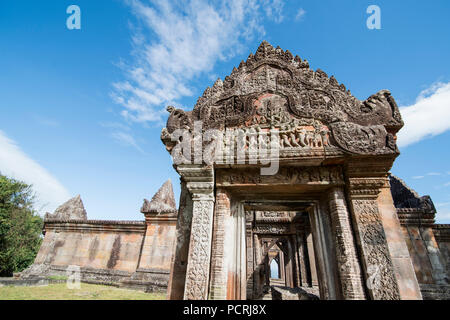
column 20, row 226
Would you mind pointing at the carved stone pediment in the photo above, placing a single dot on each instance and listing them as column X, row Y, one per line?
column 274, row 89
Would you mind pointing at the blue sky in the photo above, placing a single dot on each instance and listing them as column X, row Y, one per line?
column 81, row 110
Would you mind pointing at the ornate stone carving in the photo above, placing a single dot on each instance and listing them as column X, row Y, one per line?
column 163, row 202
column 273, row 229
column 274, row 89
column 197, row 275
column 405, row 197
column 379, row 269
column 178, row 119
column 199, row 182
column 286, row 175
column 348, row 267
column 359, row 139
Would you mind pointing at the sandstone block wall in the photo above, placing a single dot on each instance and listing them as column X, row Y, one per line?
column 107, row 245
column 136, row 254
column 442, row 236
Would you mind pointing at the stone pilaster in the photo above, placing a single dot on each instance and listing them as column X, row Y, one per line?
column 303, row 261
column 348, row 267
column 200, row 183
column 177, row 277
column 311, row 257
column 379, row 272
column 218, row 285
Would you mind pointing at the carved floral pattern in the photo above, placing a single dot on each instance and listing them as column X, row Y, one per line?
column 197, row 274
column 375, row 250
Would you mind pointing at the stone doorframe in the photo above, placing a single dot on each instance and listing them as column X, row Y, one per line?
column 351, row 249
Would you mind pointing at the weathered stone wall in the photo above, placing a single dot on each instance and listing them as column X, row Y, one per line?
column 91, row 244
column 134, row 254
column 425, row 255
column 153, row 269
column 158, row 246
column 442, row 236
column 398, row 249
column 428, row 243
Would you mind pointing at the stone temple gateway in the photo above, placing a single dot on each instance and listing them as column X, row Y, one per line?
column 325, row 219
column 285, row 193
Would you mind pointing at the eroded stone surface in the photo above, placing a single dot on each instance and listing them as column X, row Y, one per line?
column 162, row 202
column 286, row 293
column 70, row 210
column 311, row 229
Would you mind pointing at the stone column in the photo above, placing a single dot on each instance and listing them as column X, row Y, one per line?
column 218, row 285
column 250, row 254
column 200, row 183
column 324, row 251
column 290, row 265
column 228, row 273
column 177, row 277
column 302, row 261
column 240, row 262
column 311, row 256
column 348, row 267
column 379, row 272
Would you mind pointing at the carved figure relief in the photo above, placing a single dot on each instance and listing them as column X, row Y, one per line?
column 274, row 89
column 286, row 175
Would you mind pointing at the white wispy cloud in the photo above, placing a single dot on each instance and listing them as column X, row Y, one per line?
column 175, row 42
column 126, row 139
column 443, row 216
column 274, row 10
column 443, row 204
column 50, row 193
column 300, row 14
column 428, row 174
column 428, row 117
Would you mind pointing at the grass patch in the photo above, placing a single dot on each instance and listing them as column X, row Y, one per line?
column 87, row 291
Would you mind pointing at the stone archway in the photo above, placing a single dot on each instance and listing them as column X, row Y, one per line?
column 275, row 131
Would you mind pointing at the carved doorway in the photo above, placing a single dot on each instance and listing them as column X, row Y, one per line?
column 278, row 243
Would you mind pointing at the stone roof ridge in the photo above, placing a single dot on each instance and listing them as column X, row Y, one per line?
column 267, row 52
column 72, row 209
column 404, row 185
column 406, row 197
column 162, row 202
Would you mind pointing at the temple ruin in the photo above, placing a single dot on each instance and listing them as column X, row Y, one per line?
column 133, row 254
column 285, row 194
